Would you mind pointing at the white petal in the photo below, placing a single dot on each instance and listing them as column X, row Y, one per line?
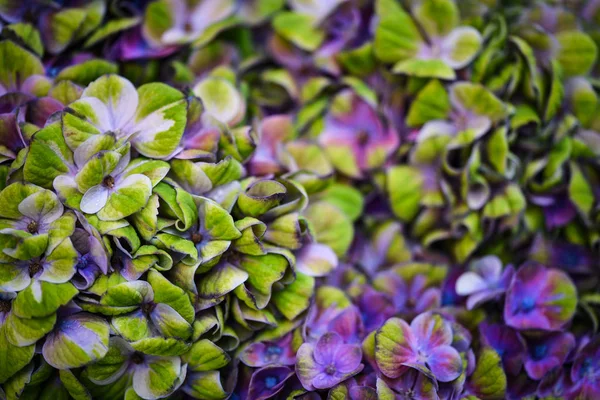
column 94, row 199
column 468, row 283
column 436, row 128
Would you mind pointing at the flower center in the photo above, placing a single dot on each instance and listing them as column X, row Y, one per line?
column 148, row 307
column 330, row 370
column 540, row 351
column 527, row 304
column 109, row 182
column 32, row 227
column 587, row 367
column 82, row 262
column 137, row 357
column 34, row 268
column 4, row 306
column 270, row 382
column 273, row 352
column 363, row 138
column 197, row 237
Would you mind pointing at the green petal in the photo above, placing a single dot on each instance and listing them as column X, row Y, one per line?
column 27, row 35
column 167, row 293
column 396, row 37
column 287, row 231
column 424, row 69
column 263, row 272
column 130, row 197
column 431, row 103
column 206, row 385
column 221, row 280
column 477, row 98
column 221, row 99
column 216, row 220
column 331, row 226
column 12, row 358
column 180, row 205
column 160, row 120
column 63, row 26
column 48, row 157
column 295, row 298
column 79, row 340
column 577, row 52
column 41, row 299
column 580, row 190
column 26, row 331
column 87, row 71
column 75, row 388
column 204, row 355
column 437, row 17
column 159, row 346
column 252, row 232
column 20, row 64
column 300, row 29
column 488, row 380
column 260, row 197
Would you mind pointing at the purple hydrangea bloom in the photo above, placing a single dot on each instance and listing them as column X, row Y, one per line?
column 585, row 372
column 279, row 351
column 547, row 353
column 268, row 381
column 485, row 281
column 409, row 298
column 424, row 345
column 508, row 344
column 328, row 362
column 539, row 298
column 356, row 138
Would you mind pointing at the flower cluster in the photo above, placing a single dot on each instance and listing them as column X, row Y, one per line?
column 299, row 199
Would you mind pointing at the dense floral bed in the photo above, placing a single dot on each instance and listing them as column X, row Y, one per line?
column 301, row 199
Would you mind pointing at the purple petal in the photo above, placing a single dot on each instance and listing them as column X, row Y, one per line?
column 327, row 347
column 268, row 381
column 348, row 358
column 445, row 363
column 431, row 331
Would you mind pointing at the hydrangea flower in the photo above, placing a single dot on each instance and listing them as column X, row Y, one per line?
column 539, row 298
column 355, row 138
column 328, row 362
column 584, row 372
column 424, row 345
column 431, row 45
column 485, row 282
column 547, row 353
